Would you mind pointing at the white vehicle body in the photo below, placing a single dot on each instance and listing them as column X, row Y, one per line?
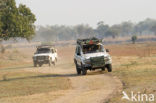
column 51, row 56
column 83, row 58
column 90, row 54
column 47, row 56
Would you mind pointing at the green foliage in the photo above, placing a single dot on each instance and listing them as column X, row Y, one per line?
column 16, row 22
column 134, row 38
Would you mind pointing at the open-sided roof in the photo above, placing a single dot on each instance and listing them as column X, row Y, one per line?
column 88, row 41
column 45, row 46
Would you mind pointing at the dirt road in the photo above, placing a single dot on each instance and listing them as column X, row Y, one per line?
column 95, row 87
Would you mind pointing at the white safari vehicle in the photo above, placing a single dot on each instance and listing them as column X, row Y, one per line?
column 45, row 54
column 90, row 54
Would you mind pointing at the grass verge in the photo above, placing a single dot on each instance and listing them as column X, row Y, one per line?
column 138, row 74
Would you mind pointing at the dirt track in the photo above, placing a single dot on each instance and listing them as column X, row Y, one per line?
column 95, row 87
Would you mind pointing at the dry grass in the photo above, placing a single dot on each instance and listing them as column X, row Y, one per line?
column 139, row 49
column 20, row 83
column 136, row 70
column 16, row 57
column 30, row 87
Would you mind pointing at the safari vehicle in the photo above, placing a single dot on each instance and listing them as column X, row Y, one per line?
column 45, row 54
column 90, row 54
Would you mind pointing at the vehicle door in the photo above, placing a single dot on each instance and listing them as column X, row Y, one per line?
column 78, row 55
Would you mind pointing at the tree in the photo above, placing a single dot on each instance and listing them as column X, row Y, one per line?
column 127, row 28
column 116, row 30
column 16, row 22
column 27, row 18
column 101, row 29
column 84, row 31
column 153, row 29
column 134, row 38
column 145, row 27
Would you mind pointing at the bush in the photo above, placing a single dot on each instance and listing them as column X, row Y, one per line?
column 134, row 38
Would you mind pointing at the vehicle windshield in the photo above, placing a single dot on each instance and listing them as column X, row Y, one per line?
column 43, row 50
column 92, row 48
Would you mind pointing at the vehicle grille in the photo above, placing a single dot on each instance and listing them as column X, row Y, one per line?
column 97, row 61
column 41, row 57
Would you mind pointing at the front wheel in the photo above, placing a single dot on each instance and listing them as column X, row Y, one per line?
column 54, row 63
column 55, row 59
column 103, row 68
column 84, row 71
column 109, row 67
column 78, row 69
column 40, row 64
column 50, row 62
column 35, row 64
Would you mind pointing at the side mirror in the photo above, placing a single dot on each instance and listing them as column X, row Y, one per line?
column 107, row 50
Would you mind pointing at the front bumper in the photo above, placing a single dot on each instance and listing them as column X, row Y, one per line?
column 41, row 61
column 94, row 63
column 92, row 68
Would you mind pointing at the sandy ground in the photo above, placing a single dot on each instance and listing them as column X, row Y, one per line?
column 96, row 87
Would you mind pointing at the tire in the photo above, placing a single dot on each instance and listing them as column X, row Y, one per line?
column 54, row 63
column 40, row 65
column 84, row 71
column 103, row 68
column 78, row 69
column 56, row 59
column 109, row 67
column 50, row 62
column 35, row 64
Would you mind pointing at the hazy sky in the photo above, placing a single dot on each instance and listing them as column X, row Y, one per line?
column 72, row 12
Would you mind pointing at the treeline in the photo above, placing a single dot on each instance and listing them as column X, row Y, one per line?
column 56, row 33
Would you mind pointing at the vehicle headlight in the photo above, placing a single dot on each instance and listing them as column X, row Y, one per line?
column 107, row 58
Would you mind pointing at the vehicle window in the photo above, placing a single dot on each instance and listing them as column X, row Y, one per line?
column 78, row 51
column 92, row 48
column 43, row 50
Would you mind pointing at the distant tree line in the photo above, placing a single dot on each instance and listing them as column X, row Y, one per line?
column 102, row 30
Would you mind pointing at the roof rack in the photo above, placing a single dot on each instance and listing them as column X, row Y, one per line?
column 89, row 41
column 45, row 46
